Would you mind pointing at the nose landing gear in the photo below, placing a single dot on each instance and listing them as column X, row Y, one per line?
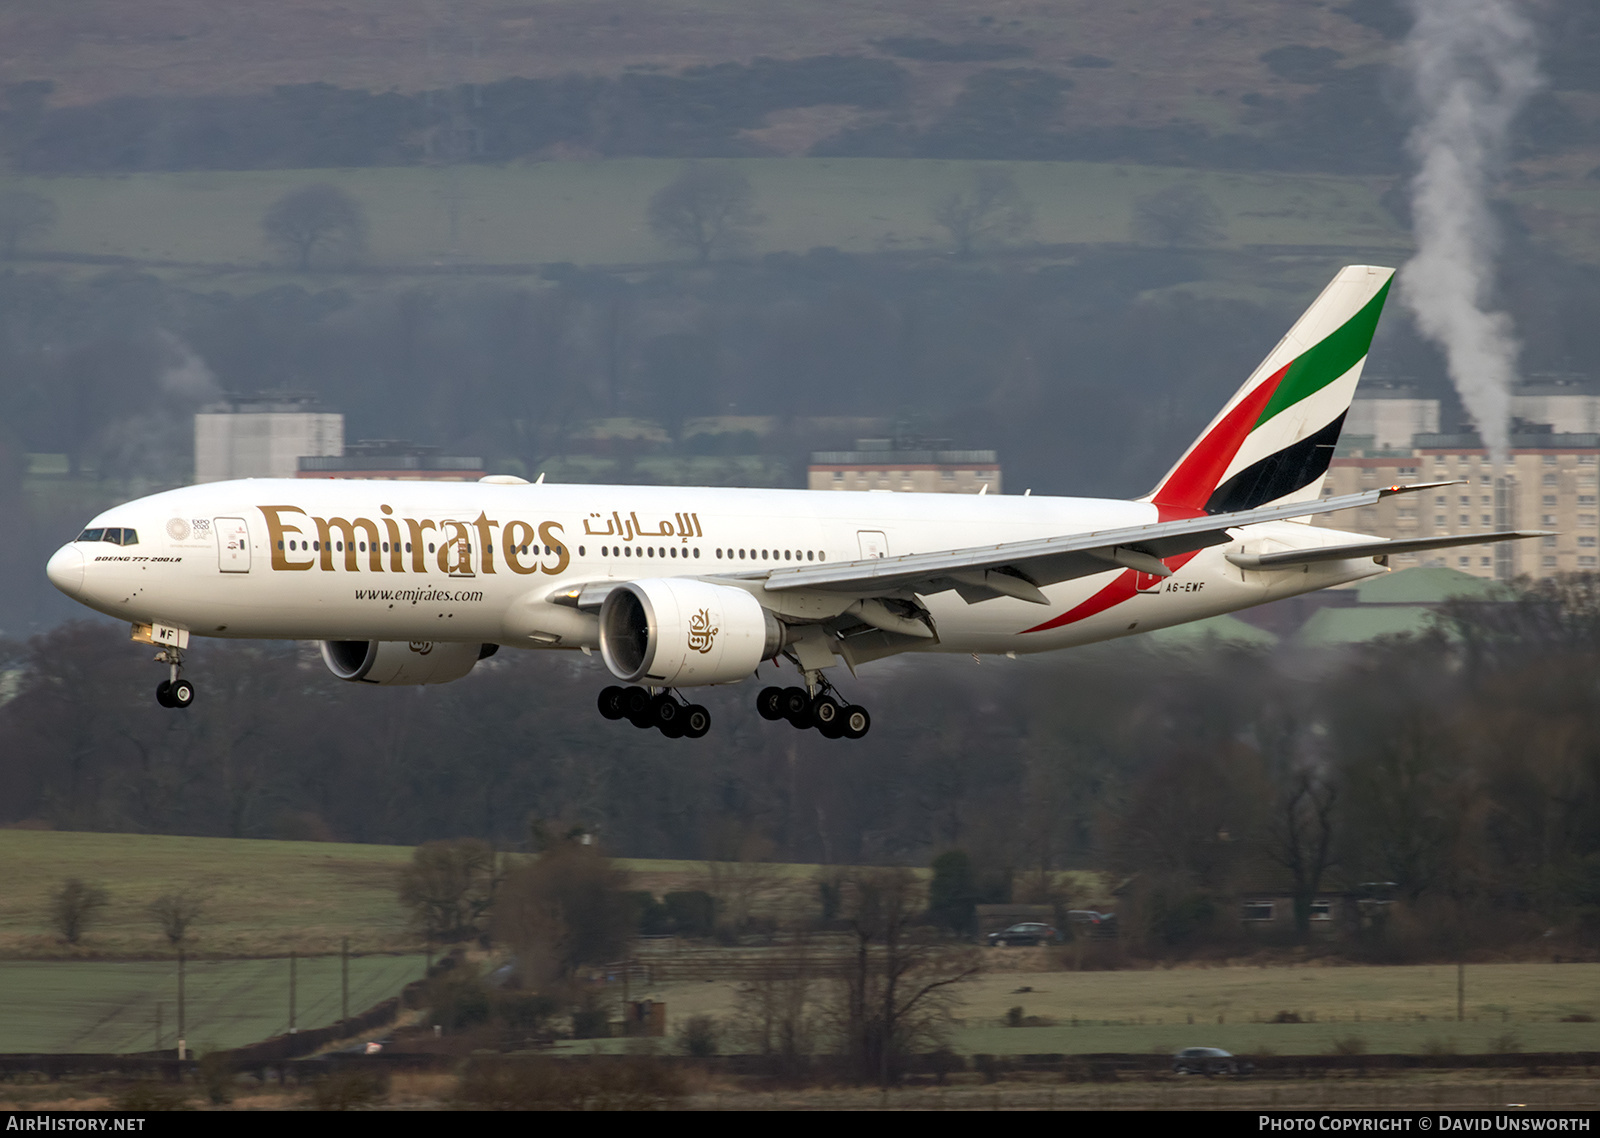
column 174, row 691
column 662, row 710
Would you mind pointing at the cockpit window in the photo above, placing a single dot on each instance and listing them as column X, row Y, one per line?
column 114, row 535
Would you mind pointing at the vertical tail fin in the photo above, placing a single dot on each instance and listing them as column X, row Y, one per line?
column 1273, row 440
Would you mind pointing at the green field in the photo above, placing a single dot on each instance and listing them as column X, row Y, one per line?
column 593, row 212
column 1401, row 1009
column 268, row 898
column 100, row 1007
column 263, row 898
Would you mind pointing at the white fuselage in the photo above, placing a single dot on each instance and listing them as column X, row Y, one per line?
column 465, row 562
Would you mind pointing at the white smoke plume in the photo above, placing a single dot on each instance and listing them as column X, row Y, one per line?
column 186, row 374
column 1473, row 64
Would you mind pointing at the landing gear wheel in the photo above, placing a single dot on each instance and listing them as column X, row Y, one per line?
column 666, row 713
column 610, row 702
column 181, row 694
column 634, row 703
column 795, row 705
column 164, row 693
column 856, row 721
column 696, row 721
column 675, row 729
column 827, row 716
column 770, row 703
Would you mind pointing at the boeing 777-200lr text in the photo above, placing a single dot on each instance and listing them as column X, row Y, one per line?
column 677, row 587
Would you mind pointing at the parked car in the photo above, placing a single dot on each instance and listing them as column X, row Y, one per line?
column 1210, row 1061
column 1029, row 932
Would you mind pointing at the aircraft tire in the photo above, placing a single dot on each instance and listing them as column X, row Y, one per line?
column 856, row 721
column 770, row 704
column 181, row 694
column 164, row 693
column 666, row 712
column 827, row 716
column 610, row 702
column 696, row 721
column 796, row 707
column 634, row 703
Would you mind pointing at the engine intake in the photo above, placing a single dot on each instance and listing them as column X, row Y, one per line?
column 676, row 632
column 398, row 662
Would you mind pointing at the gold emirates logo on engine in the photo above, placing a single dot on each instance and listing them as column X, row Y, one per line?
column 701, row 634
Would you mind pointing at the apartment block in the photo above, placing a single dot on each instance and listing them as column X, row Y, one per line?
column 880, row 464
column 262, row 436
column 1548, row 481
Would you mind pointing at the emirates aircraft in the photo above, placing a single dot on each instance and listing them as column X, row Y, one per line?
column 679, row 588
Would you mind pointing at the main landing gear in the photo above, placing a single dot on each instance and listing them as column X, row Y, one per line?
column 662, row 710
column 825, row 710
column 174, row 691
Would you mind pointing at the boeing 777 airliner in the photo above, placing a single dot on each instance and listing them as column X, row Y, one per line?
column 415, row 582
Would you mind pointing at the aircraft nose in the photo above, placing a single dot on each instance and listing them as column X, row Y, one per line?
column 65, row 570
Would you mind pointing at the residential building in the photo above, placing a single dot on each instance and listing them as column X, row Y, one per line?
column 917, row 465
column 1569, row 404
column 392, row 460
column 263, row 436
column 1547, row 481
column 1387, row 415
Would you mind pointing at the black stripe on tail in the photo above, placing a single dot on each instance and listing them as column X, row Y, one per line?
column 1278, row 475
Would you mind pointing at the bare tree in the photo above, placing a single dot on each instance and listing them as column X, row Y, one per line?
column 567, row 909
column 992, row 213
column 899, row 989
column 778, row 1016
column 23, row 214
column 1177, row 215
column 1300, row 838
column 176, row 913
column 74, row 907
column 319, row 221
column 449, row 887
column 705, row 209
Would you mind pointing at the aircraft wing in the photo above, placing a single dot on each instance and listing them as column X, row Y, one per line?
column 1377, row 548
column 1018, row 569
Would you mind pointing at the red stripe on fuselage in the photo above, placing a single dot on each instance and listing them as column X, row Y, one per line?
column 1123, row 588
column 1202, row 468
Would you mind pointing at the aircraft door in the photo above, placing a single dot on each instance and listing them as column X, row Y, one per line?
column 233, row 545
column 873, row 543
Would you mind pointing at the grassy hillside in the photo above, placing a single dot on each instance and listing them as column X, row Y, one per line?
column 264, row 898
column 594, row 212
column 1153, row 66
column 267, row 898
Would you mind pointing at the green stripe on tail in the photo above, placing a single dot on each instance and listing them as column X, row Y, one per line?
column 1327, row 359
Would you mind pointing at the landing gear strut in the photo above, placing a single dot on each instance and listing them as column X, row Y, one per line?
column 174, row 691
column 822, row 707
column 662, row 710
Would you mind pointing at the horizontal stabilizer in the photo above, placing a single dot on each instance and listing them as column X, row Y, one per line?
column 1377, row 548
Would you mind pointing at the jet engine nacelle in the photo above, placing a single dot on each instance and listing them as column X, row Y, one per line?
column 400, row 662
column 676, row 632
